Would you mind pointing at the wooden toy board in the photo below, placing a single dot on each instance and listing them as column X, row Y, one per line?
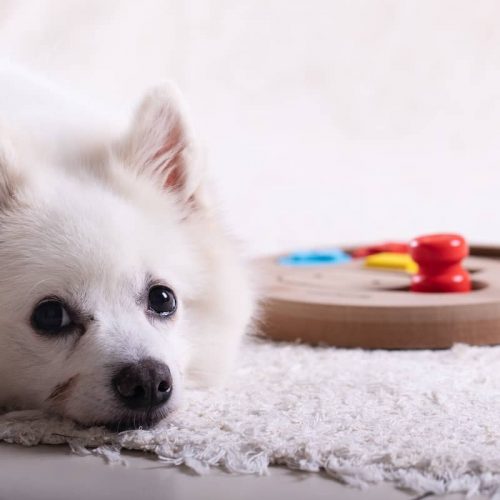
column 348, row 305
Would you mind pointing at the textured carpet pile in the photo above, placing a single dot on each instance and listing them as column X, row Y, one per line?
column 427, row 420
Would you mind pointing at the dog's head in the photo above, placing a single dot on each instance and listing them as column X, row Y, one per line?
column 117, row 287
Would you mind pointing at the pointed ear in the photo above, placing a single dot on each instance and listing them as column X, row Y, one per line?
column 159, row 145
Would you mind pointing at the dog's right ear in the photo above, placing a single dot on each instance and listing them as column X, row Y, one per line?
column 10, row 175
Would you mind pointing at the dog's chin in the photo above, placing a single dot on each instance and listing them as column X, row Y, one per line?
column 132, row 420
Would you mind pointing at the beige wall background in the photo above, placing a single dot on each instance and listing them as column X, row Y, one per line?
column 323, row 121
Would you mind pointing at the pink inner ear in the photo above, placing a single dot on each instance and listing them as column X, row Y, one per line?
column 173, row 168
column 174, row 178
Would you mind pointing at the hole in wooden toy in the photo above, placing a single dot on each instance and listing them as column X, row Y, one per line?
column 476, row 286
column 473, row 270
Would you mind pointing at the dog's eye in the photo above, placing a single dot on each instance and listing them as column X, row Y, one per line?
column 50, row 316
column 161, row 300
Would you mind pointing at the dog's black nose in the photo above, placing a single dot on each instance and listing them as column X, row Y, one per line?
column 143, row 385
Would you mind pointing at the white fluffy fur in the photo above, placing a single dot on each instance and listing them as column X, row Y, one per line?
column 87, row 216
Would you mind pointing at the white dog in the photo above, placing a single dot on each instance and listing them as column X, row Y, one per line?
column 117, row 285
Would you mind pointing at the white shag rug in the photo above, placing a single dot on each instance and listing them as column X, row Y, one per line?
column 426, row 420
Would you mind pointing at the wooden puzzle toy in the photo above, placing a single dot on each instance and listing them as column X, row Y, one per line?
column 339, row 297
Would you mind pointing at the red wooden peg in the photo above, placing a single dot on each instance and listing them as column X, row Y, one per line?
column 439, row 257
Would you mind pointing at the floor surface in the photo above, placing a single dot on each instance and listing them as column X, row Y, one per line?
column 53, row 473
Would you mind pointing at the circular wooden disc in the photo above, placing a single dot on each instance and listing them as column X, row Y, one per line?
column 348, row 305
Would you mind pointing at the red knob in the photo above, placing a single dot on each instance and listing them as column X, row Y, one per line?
column 439, row 257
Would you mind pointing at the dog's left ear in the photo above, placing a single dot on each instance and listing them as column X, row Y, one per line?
column 160, row 145
column 11, row 177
